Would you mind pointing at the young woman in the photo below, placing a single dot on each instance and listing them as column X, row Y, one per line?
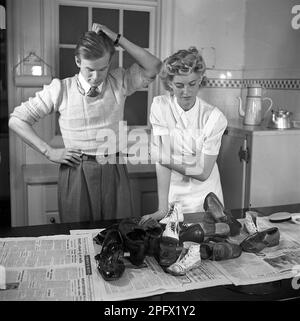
column 186, row 136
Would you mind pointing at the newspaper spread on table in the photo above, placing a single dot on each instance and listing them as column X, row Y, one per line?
column 150, row 279
column 272, row 263
column 63, row 267
column 48, row 268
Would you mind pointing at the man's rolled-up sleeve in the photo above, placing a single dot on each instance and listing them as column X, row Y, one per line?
column 43, row 103
column 135, row 79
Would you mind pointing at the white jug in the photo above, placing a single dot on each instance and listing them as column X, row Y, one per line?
column 253, row 111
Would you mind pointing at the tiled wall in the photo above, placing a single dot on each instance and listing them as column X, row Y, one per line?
column 290, row 84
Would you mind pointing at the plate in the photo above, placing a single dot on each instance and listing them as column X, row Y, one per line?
column 280, row 217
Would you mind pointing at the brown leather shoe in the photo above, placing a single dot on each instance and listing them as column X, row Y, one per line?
column 213, row 205
column 257, row 242
column 197, row 232
column 218, row 251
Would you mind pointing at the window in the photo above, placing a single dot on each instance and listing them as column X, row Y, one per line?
column 136, row 23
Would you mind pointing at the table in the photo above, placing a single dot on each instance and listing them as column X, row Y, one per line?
column 278, row 290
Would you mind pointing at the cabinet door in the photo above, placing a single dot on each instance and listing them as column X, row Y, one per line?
column 42, row 204
column 232, row 170
column 275, row 169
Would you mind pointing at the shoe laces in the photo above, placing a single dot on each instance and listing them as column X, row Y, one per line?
column 189, row 257
column 171, row 210
column 174, row 227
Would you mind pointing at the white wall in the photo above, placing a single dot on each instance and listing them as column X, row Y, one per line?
column 272, row 48
column 219, row 24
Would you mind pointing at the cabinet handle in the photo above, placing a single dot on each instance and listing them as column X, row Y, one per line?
column 244, row 155
column 52, row 220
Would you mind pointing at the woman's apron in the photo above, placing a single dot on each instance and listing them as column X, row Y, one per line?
column 188, row 191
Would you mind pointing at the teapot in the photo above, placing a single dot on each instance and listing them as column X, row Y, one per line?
column 281, row 119
column 253, row 111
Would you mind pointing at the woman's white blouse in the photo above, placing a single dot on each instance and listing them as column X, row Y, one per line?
column 195, row 132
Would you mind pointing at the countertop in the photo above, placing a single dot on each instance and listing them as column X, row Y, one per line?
column 236, row 125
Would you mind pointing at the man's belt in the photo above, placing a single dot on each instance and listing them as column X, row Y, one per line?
column 87, row 157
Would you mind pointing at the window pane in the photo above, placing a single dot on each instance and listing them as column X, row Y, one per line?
column 107, row 17
column 127, row 60
column 73, row 22
column 67, row 65
column 136, row 27
column 135, row 112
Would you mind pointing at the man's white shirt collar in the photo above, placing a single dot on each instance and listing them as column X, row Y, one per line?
column 85, row 85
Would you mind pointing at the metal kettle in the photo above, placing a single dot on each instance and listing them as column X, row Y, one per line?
column 253, row 110
column 281, row 119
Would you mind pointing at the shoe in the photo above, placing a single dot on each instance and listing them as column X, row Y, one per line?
column 174, row 214
column 217, row 251
column 250, row 224
column 216, row 229
column 134, row 240
column 109, row 260
column 191, row 233
column 168, row 253
column 171, row 233
column 213, row 205
column 257, row 242
column 152, row 239
column 99, row 238
column 189, row 259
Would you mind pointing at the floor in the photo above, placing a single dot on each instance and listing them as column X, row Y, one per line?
column 5, row 213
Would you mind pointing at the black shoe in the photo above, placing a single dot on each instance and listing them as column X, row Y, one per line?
column 154, row 232
column 152, row 240
column 213, row 206
column 192, row 233
column 134, row 240
column 168, row 253
column 110, row 264
column 99, row 238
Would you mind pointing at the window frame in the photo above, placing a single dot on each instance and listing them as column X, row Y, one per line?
column 153, row 7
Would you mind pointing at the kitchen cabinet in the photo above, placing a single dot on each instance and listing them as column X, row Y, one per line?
column 259, row 166
column 40, row 189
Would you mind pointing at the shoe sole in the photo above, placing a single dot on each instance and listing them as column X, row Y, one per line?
column 169, row 240
column 194, row 266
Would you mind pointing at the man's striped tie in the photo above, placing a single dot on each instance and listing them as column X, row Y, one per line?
column 93, row 92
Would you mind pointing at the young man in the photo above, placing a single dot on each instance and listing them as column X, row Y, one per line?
column 89, row 103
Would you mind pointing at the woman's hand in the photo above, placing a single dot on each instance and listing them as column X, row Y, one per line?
column 158, row 215
column 67, row 156
column 97, row 27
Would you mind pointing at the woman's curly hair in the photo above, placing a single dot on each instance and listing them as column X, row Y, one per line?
column 183, row 62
